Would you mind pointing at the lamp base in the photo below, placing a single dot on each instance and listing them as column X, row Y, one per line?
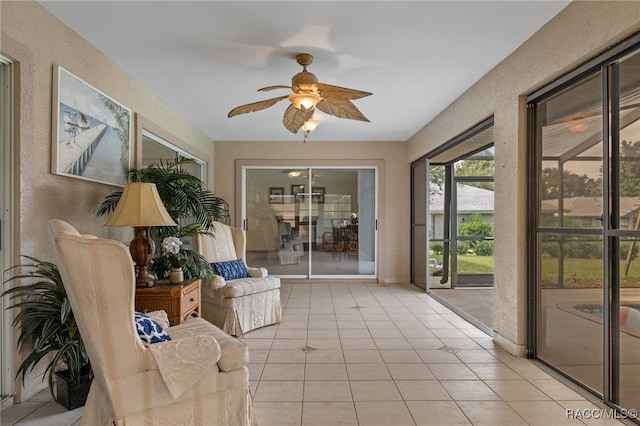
column 143, row 280
column 142, row 249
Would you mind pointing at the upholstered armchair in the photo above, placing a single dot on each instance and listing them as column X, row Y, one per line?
column 240, row 298
column 199, row 377
column 290, row 248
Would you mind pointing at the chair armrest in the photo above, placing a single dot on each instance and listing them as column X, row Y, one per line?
column 217, row 282
column 160, row 317
column 182, row 362
column 258, row 272
column 235, row 353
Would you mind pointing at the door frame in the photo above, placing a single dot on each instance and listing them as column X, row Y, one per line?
column 603, row 63
column 446, row 155
column 377, row 165
column 6, row 220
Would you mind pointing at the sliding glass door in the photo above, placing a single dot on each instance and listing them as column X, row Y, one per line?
column 570, row 237
column 587, row 227
column 311, row 221
column 624, row 160
column 452, row 224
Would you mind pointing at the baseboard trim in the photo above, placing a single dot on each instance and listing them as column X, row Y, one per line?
column 506, row 344
column 6, row 402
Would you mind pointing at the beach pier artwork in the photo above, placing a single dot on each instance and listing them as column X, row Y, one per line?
column 92, row 138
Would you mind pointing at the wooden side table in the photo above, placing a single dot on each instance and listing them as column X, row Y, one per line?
column 179, row 301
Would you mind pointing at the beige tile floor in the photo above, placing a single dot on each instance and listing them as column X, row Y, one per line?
column 372, row 354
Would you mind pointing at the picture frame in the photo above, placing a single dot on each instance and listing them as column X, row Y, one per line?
column 317, row 194
column 91, row 132
column 276, row 195
column 297, row 193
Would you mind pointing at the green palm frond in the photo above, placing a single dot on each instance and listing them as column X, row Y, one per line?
column 46, row 320
column 109, row 204
column 184, row 195
column 187, row 200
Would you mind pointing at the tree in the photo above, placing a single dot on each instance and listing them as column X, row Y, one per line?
column 476, row 168
column 572, row 185
column 476, row 227
column 436, row 180
column 629, row 169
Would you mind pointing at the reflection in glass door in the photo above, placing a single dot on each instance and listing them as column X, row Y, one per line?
column 311, row 222
column 624, row 159
column 587, row 273
column 570, row 238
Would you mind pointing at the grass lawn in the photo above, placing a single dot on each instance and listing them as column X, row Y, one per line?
column 471, row 264
column 585, row 272
column 577, row 272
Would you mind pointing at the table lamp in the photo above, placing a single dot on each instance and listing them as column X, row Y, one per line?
column 140, row 206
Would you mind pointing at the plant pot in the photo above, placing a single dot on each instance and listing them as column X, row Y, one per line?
column 71, row 395
column 176, row 276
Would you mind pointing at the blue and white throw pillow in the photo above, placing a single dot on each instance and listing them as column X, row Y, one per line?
column 149, row 330
column 231, row 270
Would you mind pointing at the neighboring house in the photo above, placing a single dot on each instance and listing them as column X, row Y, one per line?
column 470, row 200
column 587, row 211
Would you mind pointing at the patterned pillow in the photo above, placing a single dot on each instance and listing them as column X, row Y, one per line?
column 149, row 330
column 231, row 269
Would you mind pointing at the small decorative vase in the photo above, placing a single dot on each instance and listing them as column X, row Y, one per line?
column 176, row 276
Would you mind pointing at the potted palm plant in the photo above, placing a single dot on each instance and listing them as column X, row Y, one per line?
column 190, row 204
column 45, row 319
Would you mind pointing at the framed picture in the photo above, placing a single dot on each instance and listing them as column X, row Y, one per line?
column 297, row 192
column 276, row 195
column 91, row 132
column 317, row 194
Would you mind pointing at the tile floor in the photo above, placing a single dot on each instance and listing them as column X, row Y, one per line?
column 372, row 354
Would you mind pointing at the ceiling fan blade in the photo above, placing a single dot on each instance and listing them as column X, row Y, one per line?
column 294, row 118
column 264, row 89
column 336, row 92
column 341, row 108
column 255, row 106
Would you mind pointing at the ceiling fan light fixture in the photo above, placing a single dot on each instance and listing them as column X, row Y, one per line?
column 310, row 125
column 578, row 127
column 304, row 101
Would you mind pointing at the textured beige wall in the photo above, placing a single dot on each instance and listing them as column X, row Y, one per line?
column 394, row 215
column 35, row 41
column 581, row 31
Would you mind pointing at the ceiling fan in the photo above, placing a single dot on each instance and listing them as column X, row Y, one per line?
column 308, row 94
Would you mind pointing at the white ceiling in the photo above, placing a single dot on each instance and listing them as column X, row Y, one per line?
column 204, row 58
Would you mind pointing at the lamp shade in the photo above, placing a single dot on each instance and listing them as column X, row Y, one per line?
column 140, row 205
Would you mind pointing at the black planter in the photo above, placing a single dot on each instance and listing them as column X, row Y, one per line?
column 71, row 395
